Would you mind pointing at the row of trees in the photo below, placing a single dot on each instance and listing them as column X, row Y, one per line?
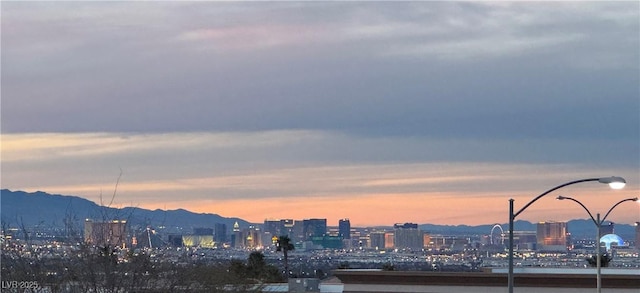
column 104, row 269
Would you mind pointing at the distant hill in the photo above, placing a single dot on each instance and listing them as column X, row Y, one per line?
column 586, row 228
column 52, row 210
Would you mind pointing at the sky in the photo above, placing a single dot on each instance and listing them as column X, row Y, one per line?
column 380, row 112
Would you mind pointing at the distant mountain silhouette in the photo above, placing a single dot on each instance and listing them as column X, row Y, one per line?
column 586, row 228
column 51, row 210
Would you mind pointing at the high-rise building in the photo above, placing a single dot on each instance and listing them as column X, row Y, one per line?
column 344, row 228
column 236, row 236
column 112, row 233
column 408, row 236
column 389, row 238
column 220, row 232
column 281, row 227
column 552, row 236
column 251, row 237
column 314, row 228
column 377, row 240
column 426, row 240
column 297, row 231
column 288, row 224
column 274, row 227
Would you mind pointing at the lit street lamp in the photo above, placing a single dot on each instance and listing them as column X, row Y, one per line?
column 598, row 223
column 614, row 183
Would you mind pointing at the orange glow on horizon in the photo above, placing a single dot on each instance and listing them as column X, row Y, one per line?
column 450, row 208
column 387, row 209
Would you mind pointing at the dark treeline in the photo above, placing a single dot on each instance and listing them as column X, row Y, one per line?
column 105, row 269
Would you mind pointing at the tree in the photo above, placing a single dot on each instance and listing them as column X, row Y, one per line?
column 388, row 267
column 605, row 259
column 256, row 262
column 258, row 269
column 284, row 244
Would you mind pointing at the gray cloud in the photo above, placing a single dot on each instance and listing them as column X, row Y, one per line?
column 30, row 159
column 547, row 74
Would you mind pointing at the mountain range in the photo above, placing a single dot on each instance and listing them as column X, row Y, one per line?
column 19, row 208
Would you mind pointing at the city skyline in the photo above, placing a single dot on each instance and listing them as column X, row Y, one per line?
column 338, row 224
column 423, row 112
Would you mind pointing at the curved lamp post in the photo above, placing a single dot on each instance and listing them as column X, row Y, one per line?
column 613, row 181
column 598, row 223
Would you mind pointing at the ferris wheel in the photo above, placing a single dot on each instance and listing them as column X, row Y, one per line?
column 497, row 238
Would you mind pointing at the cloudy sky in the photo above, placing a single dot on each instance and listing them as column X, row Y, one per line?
column 381, row 112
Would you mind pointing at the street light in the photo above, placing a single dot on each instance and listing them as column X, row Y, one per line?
column 613, row 181
column 598, row 223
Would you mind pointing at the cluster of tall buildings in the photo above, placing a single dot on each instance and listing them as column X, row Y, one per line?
column 309, row 232
column 316, row 234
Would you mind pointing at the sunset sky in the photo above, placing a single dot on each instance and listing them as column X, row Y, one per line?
column 381, row 112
